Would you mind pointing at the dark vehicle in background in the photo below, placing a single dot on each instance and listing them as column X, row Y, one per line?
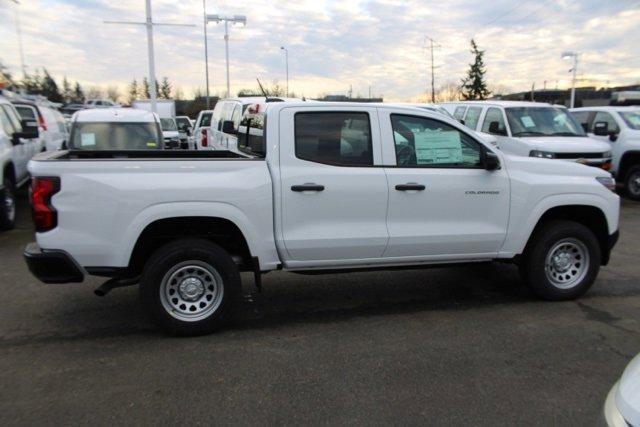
column 69, row 109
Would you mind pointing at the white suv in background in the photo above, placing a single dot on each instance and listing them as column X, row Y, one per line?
column 100, row 103
column 49, row 122
column 17, row 147
column 619, row 127
column 533, row 129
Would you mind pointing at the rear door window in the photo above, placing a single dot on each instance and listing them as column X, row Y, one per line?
column 459, row 112
column 205, row 120
column 472, row 117
column 339, row 139
column 494, row 115
column 26, row 112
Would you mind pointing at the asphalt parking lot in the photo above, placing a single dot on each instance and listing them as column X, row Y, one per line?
column 442, row 346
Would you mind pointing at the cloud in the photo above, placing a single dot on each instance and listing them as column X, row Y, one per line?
column 333, row 45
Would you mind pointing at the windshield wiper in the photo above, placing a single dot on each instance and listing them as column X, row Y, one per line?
column 529, row 132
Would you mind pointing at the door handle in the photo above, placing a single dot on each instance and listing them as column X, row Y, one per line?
column 410, row 187
column 307, row 187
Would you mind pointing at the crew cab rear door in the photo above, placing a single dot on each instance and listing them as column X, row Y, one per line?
column 442, row 202
column 334, row 201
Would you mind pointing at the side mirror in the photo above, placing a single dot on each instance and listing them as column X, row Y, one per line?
column 461, row 121
column 494, row 128
column 28, row 134
column 229, row 127
column 491, row 160
column 601, row 129
column 613, row 137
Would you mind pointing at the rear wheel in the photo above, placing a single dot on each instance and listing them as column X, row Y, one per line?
column 632, row 183
column 561, row 261
column 7, row 206
column 190, row 286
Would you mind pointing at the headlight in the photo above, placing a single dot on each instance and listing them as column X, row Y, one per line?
column 607, row 181
column 542, row 154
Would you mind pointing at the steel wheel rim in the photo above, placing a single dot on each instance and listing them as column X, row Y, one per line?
column 191, row 291
column 9, row 205
column 567, row 263
column 634, row 183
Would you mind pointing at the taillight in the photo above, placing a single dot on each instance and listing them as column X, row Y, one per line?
column 45, row 217
column 41, row 123
column 203, row 138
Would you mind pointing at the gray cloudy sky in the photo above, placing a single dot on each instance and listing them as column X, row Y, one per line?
column 332, row 44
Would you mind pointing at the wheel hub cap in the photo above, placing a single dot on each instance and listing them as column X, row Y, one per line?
column 567, row 263
column 191, row 289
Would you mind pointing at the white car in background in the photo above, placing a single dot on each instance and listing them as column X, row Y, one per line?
column 533, row 129
column 48, row 121
column 101, row 103
column 619, row 127
column 622, row 407
column 115, row 129
column 17, row 147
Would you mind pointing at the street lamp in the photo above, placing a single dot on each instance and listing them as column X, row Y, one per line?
column 574, row 55
column 235, row 19
column 19, row 32
column 286, row 61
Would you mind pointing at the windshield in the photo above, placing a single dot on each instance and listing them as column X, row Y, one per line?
column 168, row 124
column 631, row 118
column 542, row 121
column 205, row 120
column 115, row 136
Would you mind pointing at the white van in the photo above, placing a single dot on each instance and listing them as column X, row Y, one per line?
column 17, row 147
column 49, row 122
column 619, row 127
column 533, row 129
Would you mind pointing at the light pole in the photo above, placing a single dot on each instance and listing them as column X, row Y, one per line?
column 286, row 61
column 235, row 19
column 150, row 51
column 206, row 50
column 574, row 55
column 19, row 32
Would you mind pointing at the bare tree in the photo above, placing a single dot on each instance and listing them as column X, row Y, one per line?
column 93, row 92
column 449, row 91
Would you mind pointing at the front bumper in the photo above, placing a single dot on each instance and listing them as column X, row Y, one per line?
column 611, row 242
column 52, row 266
column 612, row 416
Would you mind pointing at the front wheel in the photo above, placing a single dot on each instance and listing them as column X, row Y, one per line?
column 7, row 206
column 189, row 287
column 561, row 261
column 632, row 183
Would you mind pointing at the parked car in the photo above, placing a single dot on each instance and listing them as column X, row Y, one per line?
column 533, row 129
column 115, row 129
column 69, row 109
column 166, row 110
column 622, row 406
column 315, row 187
column 185, row 128
column 222, row 133
column 49, row 122
column 100, row 103
column 619, row 127
column 17, row 147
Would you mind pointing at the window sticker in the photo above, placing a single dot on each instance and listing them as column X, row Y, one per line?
column 88, row 139
column 151, row 144
column 527, row 122
column 437, row 147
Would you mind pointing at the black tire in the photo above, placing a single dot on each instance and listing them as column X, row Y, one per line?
column 7, row 206
column 631, row 185
column 572, row 242
column 169, row 304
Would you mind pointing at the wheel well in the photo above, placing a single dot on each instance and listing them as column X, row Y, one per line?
column 9, row 172
column 218, row 230
column 589, row 216
column 629, row 159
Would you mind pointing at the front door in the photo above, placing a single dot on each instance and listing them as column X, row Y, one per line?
column 442, row 202
column 334, row 203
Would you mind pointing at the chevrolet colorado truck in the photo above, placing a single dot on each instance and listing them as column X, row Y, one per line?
column 312, row 188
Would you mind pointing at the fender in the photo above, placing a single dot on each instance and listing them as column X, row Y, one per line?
column 519, row 232
column 260, row 245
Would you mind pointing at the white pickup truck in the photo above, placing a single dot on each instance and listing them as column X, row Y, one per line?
column 314, row 187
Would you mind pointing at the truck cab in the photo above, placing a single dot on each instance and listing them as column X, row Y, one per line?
column 618, row 127
column 533, row 129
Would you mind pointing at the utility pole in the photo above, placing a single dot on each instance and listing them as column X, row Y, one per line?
column 19, row 33
column 236, row 19
column 149, row 24
column 433, row 89
column 573, row 70
column 286, row 60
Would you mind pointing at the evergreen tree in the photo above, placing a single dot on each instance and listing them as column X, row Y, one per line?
column 165, row 89
column 145, row 89
column 474, row 85
column 67, row 92
column 50, row 88
column 78, row 94
column 133, row 91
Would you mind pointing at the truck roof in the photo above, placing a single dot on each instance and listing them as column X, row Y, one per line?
column 500, row 103
column 609, row 108
column 129, row 115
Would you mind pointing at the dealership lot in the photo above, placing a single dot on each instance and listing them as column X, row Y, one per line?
column 443, row 345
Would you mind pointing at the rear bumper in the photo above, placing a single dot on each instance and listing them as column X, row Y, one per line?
column 52, row 266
